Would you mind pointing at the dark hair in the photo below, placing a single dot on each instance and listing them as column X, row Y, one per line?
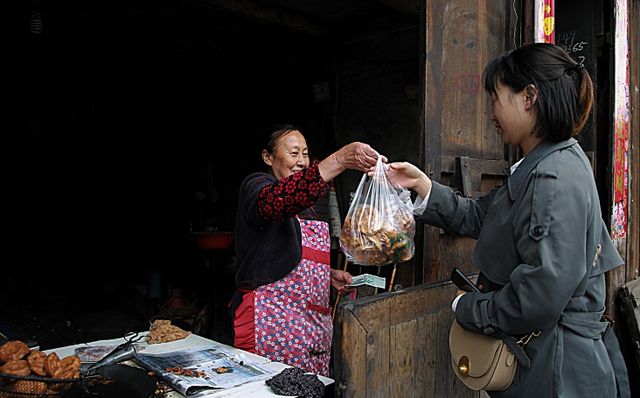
column 274, row 133
column 565, row 90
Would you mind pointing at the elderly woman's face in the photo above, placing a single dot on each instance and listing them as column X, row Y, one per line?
column 290, row 155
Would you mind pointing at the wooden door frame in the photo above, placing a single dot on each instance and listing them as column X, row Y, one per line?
column 633, row 231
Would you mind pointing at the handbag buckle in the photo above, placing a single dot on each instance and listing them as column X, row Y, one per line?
column 463, row 366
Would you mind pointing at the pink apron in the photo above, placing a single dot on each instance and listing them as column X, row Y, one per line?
column 293, row 322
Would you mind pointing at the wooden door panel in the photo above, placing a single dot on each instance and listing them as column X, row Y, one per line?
column 473, row 33
column 461, row 37
column 401, row 339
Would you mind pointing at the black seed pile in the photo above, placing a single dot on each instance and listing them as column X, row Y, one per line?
column 293, row 381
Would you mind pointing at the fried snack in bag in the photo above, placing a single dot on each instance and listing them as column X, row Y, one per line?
column 379, row 227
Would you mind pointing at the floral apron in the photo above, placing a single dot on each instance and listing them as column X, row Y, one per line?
column 292, row 318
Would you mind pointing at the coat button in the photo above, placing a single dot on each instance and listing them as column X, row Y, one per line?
column 538, row 230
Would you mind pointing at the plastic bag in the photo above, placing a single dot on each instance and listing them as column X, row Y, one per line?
column 379, row 227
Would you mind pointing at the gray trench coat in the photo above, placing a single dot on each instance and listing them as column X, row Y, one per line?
column 544, row 246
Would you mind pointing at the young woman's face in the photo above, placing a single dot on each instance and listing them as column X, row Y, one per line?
column 289, row 155
column 514, row 117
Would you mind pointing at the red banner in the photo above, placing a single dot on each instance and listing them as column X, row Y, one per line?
column 549, row 21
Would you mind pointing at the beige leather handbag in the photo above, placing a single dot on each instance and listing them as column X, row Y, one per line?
column 482, row 362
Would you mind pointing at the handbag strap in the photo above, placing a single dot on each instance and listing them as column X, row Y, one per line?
column 524, row 340
column 517, row 346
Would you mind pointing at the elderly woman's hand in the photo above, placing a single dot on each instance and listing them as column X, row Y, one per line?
column 339, row 280
column 358, row 156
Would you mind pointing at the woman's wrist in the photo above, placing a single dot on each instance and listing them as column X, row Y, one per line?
column 330, row 167
column 423, row 186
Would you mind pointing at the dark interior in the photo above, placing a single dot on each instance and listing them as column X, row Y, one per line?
column 135, row 122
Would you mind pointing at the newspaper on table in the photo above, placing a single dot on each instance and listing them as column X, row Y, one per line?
column 195, row 372
column 368, row 279
column 91, row 354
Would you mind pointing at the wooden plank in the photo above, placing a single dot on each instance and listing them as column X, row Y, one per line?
column 614, row 279
column 350, row 354
column 528, row 20
column 444, row 384
column 433, row 88
column 423, row 374
column 456, row 251
column 495, row 167
column 407, row 304
column 633, row 240
column 463, row 39
column 377, row 364
column 375, row 319
column 418, row 260
column 432, row 108
column 402, row 356
column 474, row 32
column 431, row 251
column 409, row 348
column 430, row 362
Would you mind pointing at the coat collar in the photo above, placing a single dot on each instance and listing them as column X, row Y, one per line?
column 531, row 160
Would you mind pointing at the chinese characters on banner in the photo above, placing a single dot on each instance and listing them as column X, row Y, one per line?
column 549, row 22
column 545, row 21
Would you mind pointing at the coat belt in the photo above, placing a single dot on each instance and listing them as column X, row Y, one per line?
column 593, row 325
column 586, row 324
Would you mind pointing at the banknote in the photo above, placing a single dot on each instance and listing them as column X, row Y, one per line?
column 368, row 279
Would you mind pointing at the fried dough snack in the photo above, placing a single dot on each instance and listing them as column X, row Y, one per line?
column 69, row 368
column 369, row 239
column 52, row 364
column 13, row 350
column 162, row 331
column 36, row 361
column 16, row 368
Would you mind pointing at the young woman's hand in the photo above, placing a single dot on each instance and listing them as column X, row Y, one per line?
column 408, row 176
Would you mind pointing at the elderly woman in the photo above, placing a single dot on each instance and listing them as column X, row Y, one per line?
column 281, row 309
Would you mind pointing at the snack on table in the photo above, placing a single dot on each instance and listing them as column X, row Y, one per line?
column 16, row 368
column 162, row 331
column 36, row 361
column 179, row 370
column 13, row 350
column 69, row 368
column 369, row 239
column 52, row 364
column 38, row 374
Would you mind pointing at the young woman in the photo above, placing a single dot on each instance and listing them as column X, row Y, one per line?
column 542, row 246
column 283, row 274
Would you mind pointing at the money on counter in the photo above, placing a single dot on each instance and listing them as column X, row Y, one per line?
column 368, row 279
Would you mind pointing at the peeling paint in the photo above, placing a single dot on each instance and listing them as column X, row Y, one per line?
column 621, row 117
